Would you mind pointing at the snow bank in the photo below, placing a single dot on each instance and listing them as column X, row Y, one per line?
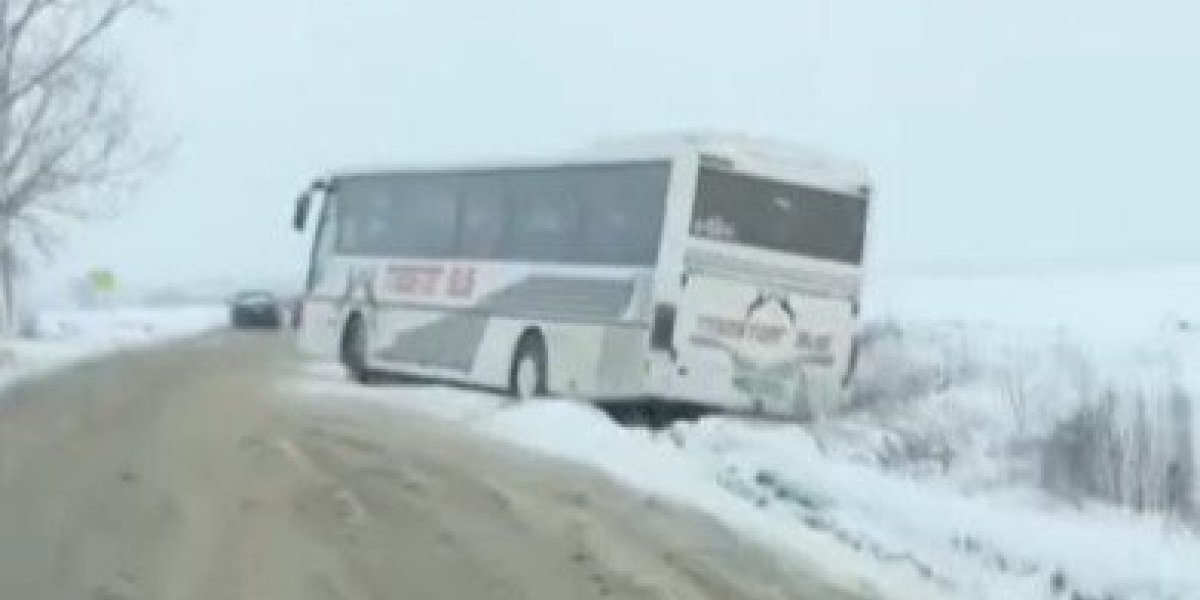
column 821, row 495
column 55, row 339
column 1001, row 545
column 128, row 324
column 988, row 409
column 653, row 463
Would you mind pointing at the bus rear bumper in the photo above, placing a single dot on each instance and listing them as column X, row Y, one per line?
column 717, row 387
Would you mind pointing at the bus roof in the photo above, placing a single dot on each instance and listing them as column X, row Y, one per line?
column 758, row 155
column 737, row 152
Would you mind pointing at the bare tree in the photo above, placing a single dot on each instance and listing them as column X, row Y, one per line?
column 69, row 148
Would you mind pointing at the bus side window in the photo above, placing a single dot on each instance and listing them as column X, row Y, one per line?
column 483, row 213
column 349, row 230
column 624, row 214
column 417, row 217
column 544, row 224
column 357, row 218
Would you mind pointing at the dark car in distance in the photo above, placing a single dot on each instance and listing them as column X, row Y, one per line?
column 255, row 309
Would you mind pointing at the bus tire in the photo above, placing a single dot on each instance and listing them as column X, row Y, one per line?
column 354, row 351
column 528, row 378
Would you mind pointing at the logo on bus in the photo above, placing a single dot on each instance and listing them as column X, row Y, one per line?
column 431, row 281
column 761, row 333
column 755, row 330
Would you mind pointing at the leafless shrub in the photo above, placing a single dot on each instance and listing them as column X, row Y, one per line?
column 1124, row 437
column 1079, row 457
column 1181, row 484
column 1118, row 450
column 894, row 368
column 917, row 452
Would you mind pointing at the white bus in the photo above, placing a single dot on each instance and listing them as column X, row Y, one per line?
column 725, row 274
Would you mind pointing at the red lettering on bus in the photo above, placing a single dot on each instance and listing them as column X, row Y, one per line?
column 461, row 282
column 415, row 280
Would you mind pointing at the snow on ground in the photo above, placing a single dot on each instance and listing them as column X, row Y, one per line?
column 947, row 478
column 779, row 484
column 58, row 338
column 654, row 463
column 1018, row 544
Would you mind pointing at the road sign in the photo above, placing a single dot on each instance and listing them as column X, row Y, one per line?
column 103, row 281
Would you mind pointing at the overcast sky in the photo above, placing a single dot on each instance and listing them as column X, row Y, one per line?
column 1001, row 133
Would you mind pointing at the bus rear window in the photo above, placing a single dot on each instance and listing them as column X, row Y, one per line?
column 778, row 216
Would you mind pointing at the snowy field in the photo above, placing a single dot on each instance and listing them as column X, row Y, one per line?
column 58, row 338
column 969, row 468
column 1101, row 305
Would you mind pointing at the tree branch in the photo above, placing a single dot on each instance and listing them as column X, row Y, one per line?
column 28, row 135
column 41, row 234
column 70, row 53
column 23, row 194
column 30, row 13
column 69, row 148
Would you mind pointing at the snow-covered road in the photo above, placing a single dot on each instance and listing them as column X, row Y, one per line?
column 188, row 471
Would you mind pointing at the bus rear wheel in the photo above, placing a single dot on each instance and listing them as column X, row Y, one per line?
column 527, row 379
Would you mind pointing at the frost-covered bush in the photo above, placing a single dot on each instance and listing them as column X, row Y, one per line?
column 896, row 364
column 1117, row 450
column 995, row 406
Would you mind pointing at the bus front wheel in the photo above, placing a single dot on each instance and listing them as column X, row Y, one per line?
column 354, row 351
column 528, row 377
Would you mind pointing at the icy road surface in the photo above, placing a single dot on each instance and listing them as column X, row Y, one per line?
column 181, row 472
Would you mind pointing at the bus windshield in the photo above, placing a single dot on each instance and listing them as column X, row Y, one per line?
column 597, row 214
column 778, row 216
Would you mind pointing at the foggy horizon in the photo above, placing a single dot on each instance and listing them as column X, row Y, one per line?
column 1011, row 137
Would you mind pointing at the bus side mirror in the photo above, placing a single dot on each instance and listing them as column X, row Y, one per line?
column 300, row 218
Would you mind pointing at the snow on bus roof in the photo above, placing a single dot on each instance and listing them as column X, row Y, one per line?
column 749, row 153
column 744, row 153
column 536, row 161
